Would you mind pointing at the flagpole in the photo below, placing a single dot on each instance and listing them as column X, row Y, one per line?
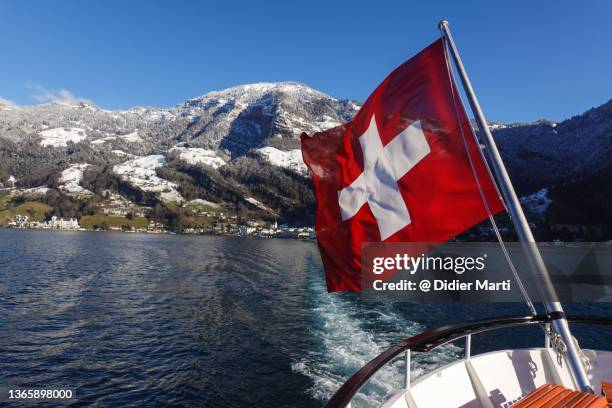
column 537, row 266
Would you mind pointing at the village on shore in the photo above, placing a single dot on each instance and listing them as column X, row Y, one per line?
column 223, row 225
column 115, row 213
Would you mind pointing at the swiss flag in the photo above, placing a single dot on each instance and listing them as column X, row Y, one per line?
column 400, row 171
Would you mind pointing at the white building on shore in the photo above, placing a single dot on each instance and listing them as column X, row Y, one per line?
column 21, row 221
column 62, row 224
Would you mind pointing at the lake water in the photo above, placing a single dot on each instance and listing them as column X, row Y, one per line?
column 144, row 320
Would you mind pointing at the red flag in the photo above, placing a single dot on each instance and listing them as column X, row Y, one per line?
column 400, row 171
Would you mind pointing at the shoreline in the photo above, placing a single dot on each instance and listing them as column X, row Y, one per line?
column 3, row 228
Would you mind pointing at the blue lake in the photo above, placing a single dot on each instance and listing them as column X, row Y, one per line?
column 168, row 320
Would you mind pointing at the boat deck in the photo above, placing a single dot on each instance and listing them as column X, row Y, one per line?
column 556, row 396
column 496, row 379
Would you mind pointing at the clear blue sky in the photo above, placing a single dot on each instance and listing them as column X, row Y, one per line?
column 527, row 59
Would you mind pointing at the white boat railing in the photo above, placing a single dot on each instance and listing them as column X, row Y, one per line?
column 430, row 340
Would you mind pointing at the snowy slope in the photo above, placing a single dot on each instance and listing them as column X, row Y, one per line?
column 35, row 191
column 71, row 178
column 199, row 203
column 258, row 204
column 197, row 156
column 291, row 159
column 122, row 153
column 61, row 136
column 131, row 137
column 140, row 173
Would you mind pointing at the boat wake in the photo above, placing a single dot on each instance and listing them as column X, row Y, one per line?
column 347, row 334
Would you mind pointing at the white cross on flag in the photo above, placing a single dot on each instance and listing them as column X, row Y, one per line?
column 403, row 170
column 383, row 166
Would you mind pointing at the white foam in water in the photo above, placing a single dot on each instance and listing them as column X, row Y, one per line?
column 347, row 341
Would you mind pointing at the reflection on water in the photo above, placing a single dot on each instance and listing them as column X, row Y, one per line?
column 135, row 320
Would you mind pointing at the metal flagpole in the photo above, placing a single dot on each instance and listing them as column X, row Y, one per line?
column 538, row 268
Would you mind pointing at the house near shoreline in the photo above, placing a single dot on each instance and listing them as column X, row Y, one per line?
column 55, row 223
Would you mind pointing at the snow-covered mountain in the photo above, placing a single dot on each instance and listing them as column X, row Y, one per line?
column 241, row 118
column 234, row 121
column 242, row 145
column 246, row 127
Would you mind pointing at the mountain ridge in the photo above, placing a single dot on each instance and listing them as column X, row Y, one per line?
column 241, row 144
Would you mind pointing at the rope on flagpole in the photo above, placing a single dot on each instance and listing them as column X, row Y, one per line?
column 524, row 293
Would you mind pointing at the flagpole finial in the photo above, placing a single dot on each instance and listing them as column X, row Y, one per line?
column 443, row 24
